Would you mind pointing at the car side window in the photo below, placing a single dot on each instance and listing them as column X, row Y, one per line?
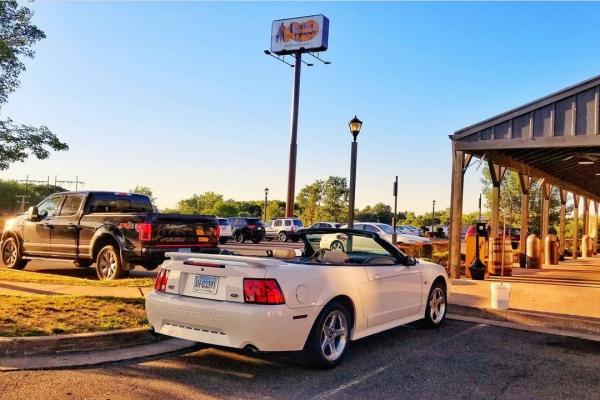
column 371, row 228
column 360, row 227
column 277, row 223
column 288, row 222
column 48, row 207
column 71, row 205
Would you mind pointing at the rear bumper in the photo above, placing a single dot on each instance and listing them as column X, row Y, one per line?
column 230, row 324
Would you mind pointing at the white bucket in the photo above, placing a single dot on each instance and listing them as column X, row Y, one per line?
column 500, row 295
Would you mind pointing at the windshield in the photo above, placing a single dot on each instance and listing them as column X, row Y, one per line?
column 297, row 222
column 386, row 228
column 357, row 247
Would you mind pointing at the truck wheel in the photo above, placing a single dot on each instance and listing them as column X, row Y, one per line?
column 11, row 254
column 108, row 264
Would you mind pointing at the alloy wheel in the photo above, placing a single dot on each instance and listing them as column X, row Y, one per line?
column 336, row 246
column 107, row 264
column 437, row 305
column 334, row 335
column 10, row 253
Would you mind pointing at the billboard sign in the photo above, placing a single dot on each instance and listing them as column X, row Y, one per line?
column 303, row 34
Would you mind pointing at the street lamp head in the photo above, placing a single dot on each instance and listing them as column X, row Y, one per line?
column 355, row 124
column 266, row 191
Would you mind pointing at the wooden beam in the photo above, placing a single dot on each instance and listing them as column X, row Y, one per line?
column 562, row 223
column 526, row 143
column 521, row 167
column 575, row 226
column 456, row 204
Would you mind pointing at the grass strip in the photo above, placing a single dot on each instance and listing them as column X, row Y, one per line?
column 10, row 275
column 61, row 314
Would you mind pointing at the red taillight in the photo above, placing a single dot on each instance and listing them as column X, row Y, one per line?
column 251, row 226
column 218, row 231
column 262, row 291
column 145, row 231
column 161, row 280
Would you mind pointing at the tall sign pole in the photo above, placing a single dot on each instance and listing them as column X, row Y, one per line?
column 293, row 37
column 291, row 188
column 395, row 218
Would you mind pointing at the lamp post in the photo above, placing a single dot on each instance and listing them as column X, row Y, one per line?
column 433, row 218
column 266, row 200
column 355, row 125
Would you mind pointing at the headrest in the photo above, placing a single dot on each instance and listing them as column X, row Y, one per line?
column 335, row 257
column 284, row 253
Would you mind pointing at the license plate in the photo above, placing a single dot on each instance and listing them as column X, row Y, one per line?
column 184, row 250
column 206, row 284
column 199, row 232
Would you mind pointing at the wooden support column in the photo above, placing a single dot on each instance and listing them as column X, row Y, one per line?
column 562, row 227
column 526, row 183
column 595, row 228
column 544, row 226
column 496, row 173
column 575, row 225
column 586, row 216
column 460, row 162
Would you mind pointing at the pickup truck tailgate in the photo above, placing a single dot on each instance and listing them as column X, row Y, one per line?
column 176, row 230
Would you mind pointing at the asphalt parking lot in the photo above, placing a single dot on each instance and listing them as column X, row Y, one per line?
column 460, row 360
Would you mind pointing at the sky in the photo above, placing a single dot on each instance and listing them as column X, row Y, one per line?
column 180, row 96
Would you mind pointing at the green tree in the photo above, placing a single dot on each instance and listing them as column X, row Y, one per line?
column 309, row 201
column 275, row 209
column 200, row 203
column 17, row 36
column 145, row 190
column 335, row 199
column 378, row 213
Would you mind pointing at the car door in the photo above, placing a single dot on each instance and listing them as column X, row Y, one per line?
column 36, row 234
column 275, row 228
column 392, row 292
column 65, row 226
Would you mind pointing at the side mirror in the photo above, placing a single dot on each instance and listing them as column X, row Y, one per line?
column 32, row 214
column 410, row 261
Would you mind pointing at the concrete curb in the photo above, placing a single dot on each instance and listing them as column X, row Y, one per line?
column 81, row 342
column 568, row 324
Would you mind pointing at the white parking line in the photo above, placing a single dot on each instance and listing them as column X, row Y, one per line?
column 351, row 383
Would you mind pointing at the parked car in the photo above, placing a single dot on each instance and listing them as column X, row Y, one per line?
column 114, row 230
column 385, row 231
column 311, row 300
column 226, row 232
column 283, row 229
column 247, row 228
column 317, row 225
column 408, row 230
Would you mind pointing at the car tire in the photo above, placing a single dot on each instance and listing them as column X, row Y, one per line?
column 435, row 312
column 11, row 254
column 239, row 237
column 282, row 236
column 109, row 264
column 222, row 240
column 83, row 263
column 329, row 337
column 336, row 245
column 295, row 239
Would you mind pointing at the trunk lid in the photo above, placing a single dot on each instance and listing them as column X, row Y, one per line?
column 214, row 277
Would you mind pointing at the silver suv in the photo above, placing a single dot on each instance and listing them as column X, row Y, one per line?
column 283, row 229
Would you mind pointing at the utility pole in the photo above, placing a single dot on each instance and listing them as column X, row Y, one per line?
column 76, row 182
column 433, row 218
column 394, row 220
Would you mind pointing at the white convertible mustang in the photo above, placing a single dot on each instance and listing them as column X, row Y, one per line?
column 315, row 300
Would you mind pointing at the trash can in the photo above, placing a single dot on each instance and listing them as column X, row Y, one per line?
column 550, row 250
column 533, row 251
column 586, row 246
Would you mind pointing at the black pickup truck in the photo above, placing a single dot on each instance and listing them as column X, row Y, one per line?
column 114, row 230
